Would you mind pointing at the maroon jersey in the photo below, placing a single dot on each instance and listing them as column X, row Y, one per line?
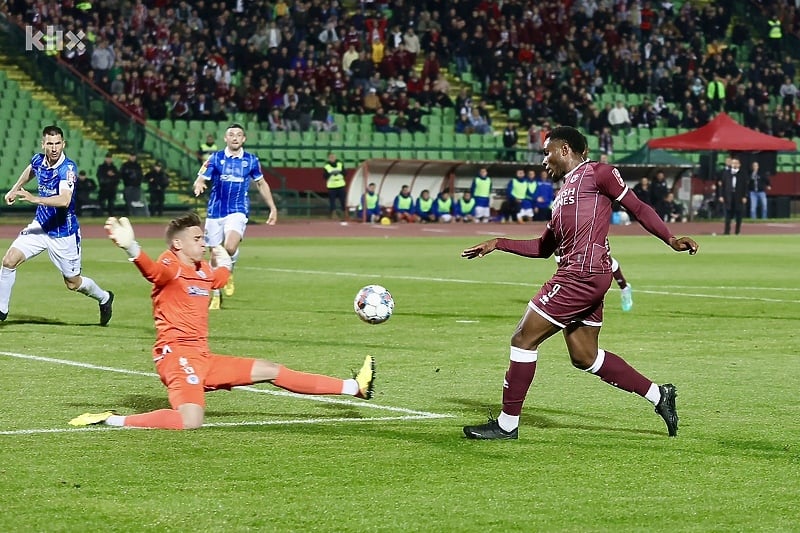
column 582, row 215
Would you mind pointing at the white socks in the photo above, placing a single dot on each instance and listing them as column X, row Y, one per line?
column 7, row 278
column 115, row 420
column 92, row 290
column 349, row 387
column 507, row 422
column 653, row 394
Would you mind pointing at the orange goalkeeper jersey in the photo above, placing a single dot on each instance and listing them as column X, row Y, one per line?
column 180, row 298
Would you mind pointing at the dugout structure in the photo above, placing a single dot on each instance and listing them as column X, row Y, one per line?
column 389, row 175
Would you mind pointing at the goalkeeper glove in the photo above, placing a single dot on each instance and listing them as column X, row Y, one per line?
column 221, row 258
column 121, row 232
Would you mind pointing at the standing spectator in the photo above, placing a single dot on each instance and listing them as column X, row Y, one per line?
column 157, row 183
column 108, row 181
column 132, row 175
column 510, row 139
column 103, row 58
column 758, row 187
column 619, row 118
column 481, row 190
column 84, row 190
column 658, row 189
column 733, row 195
column 775, row 36
column 333, row 174
column 642, row 191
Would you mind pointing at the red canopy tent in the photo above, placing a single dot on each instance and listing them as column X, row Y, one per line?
column 724, row 134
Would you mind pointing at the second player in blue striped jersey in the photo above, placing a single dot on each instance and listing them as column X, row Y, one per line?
column 229, row 173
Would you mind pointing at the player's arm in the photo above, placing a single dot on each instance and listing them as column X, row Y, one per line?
column 610, row 183
column 121, row 233
column 649, row 220
column 542, row 247
column 203, row 175
column 24, row 178
column 266, row 194
column 62, row 199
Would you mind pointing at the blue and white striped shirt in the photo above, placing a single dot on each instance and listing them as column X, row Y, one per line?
column 230, row 176
column 56, row 221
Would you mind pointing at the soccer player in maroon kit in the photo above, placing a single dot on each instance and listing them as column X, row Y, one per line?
column 572, row 300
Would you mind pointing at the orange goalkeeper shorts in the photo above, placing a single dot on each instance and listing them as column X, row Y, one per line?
column 188, row 372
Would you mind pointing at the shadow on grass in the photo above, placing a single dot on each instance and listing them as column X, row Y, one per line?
column 536, row 417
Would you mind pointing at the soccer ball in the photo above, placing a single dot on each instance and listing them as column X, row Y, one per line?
column 373, row 304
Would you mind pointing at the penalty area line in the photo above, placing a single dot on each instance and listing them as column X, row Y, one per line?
column 260, row 423
column 320, row 399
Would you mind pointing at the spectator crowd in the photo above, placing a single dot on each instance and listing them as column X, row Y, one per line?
column 294, row 64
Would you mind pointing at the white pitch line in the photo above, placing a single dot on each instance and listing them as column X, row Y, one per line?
column 321, row 399
column 530, row 284
column 228, row 424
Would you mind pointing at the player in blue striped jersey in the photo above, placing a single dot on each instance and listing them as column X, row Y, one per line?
column 55, row 225
column 230, row 172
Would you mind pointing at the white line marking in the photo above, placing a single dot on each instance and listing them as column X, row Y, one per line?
column 228, row 424
column 411, row 414
column 530, row 285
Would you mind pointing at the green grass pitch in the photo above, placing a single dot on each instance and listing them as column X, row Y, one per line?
column 723, row 326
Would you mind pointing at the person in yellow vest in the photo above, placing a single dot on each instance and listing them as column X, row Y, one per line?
column 370, row 199
column 482, row 193
column 715, row 93
column 207, row 148
column 775, row 36
column 516, row 192
column 465, row 208
column 333, row 174
column 403, row 206
column 424, row 207
column 443, row 207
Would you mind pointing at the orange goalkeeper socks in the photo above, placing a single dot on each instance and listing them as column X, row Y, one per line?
column 161, row 419
column 305, row 383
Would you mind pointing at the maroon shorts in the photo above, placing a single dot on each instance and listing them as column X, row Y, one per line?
column 572, row 297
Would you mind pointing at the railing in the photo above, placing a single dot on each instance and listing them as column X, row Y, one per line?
column 87, row 100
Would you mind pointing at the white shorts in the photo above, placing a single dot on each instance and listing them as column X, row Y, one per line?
column 217, row 228
column 482, row 212
column 64, row 252
column 527, row 212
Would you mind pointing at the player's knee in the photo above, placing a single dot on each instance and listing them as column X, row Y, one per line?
column 73, row 284
column 582, row 361
column 12, row 258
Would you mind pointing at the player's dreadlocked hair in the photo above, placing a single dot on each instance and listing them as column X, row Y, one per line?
column 187, row 220
column 571, row 137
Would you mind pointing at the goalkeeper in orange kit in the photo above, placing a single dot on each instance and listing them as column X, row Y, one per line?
column 182, row 281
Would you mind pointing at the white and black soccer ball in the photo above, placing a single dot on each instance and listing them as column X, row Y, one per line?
column 373, row 304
